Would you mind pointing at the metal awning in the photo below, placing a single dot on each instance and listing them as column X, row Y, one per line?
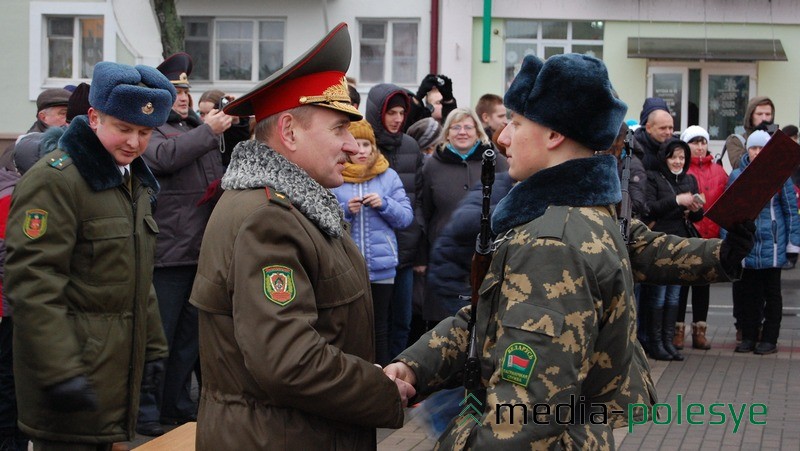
column 706, row 49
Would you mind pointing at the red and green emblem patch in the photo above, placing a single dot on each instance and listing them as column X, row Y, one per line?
column 518, row 362
column 279, row 284
column 35, row 223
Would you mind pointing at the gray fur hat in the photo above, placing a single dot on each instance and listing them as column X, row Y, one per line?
column 570, row 94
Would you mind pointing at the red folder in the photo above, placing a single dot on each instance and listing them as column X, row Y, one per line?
column 759, row 181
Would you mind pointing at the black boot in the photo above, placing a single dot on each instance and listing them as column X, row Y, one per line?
column 670, row 315
column 655, row 344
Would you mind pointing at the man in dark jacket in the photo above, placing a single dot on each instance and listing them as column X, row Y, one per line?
column 387, row 107
column 285, row 308
column 184, row 156
column 759, row 115
column 51, row 109
column 80, row 241
column 655, row 126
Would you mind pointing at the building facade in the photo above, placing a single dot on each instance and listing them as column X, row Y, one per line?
column 705, row 57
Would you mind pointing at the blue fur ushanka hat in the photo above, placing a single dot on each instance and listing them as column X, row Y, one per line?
column 140, row 95
column 570, row 94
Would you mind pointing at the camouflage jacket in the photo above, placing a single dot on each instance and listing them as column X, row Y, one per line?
column 556, row 318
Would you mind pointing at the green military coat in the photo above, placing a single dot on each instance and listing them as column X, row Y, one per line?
column 78, row 272
column 286, row 319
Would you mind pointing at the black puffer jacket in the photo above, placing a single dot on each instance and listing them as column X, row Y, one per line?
column 663, row 186
column 404, row 157
column 446, row 178
column 449, row 265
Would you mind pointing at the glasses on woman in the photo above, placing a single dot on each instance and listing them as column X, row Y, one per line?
column 458, row 128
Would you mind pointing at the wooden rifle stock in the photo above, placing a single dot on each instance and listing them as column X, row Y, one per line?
column 480, row 266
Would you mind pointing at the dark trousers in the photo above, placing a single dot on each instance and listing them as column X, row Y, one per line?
column 758, row 295
column 173, row 286
column 700, row 299
column 381, row 298
column 11, row 438
column 400, row 311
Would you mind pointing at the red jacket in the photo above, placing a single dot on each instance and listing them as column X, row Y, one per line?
column 711, row 180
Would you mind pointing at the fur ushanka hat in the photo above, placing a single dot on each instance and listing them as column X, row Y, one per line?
column 571, row 94
column 140, row 95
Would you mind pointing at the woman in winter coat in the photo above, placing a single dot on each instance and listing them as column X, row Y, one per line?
column 711, row 180
column 375, row 204
column 672, row 207
column 447, row 176
column 757, row 300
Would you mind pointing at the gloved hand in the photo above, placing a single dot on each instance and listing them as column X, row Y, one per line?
column 429, row 82
column 72, row 395
column 736, row 246
column 445, row 86
column 152, row 375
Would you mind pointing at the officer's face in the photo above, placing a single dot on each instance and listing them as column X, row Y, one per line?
column 322, row 144
column 123, row 140
column 181, row 105
column 526, row 146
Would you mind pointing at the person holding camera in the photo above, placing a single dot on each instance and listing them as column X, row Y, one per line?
column 759, row 115
column 434, row 98
column 216, row 100
column 184, row 155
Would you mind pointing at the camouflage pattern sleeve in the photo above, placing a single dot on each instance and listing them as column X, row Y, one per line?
column 662, row 259
column 438, row 357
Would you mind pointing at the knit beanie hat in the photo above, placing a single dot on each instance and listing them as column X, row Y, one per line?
column 693, row 132
column 426, row 131
column 652, row 104
column 362, row 130
column 78, row 102
column 396, row 99
column 758, row 138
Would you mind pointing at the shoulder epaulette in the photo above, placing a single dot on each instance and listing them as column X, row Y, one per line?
column 278, row 198
column 60, row 162
column 553, row 222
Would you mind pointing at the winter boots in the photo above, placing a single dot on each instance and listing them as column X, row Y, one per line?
column 680, row 333
column 699, row 340
column 668, row 334
column 655, row 343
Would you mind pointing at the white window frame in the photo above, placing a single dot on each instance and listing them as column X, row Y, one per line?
column 706, row 69
column 542, row 43
column 234, row 85
column 388, row 56
column 39, row 12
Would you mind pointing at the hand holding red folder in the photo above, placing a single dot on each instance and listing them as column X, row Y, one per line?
column 760, row 180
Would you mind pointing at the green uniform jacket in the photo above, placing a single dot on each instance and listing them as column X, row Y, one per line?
column 78, row 272
column 556, row 321
column 286, row 319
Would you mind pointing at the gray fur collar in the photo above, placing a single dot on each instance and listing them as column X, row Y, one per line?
column 255, row 165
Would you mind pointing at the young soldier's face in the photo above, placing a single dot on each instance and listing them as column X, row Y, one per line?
column 123, row 140
column 526, row 146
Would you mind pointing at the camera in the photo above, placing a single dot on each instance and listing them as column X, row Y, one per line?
column 223, row 102
column 768, row 127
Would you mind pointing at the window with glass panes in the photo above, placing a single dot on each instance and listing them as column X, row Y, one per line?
column 388, row 51
column 545, row 38
column 74, row 46
column 234, row 49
